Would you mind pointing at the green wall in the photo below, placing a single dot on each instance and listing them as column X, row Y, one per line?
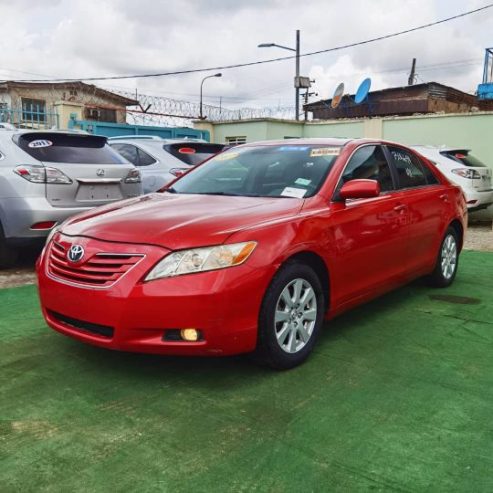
column 255, row 130
column 470, row 130
column 351, row 129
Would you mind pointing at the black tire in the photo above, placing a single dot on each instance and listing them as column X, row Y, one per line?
column 8, row 256
column 300, row 331
column 440, row 277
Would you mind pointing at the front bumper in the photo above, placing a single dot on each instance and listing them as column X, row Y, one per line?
column 224, row 305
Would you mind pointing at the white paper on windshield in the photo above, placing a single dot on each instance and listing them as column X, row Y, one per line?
column 293, row 192
column 325, row 151
column 303, row 181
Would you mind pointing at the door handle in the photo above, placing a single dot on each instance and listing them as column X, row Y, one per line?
column 400, row 207
column 444, row 197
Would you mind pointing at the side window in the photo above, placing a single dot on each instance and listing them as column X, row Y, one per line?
column 368, row 162
column 408, row 167
column 144, row 158
column 129, row 152
column 431, row 179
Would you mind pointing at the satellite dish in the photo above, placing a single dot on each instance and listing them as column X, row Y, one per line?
column 363, row 90
column 336, row 98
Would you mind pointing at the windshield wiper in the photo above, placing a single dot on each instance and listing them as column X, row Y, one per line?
column 171, row 190
column 229, row 194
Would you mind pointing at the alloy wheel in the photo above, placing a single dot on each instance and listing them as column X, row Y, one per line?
column 295, row 315
column 449, row 257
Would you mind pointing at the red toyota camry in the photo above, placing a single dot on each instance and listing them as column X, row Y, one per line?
column 250, row 251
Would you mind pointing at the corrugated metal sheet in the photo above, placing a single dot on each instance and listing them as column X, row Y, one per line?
column 421, row 98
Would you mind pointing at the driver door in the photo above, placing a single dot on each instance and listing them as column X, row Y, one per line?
column 369, row 235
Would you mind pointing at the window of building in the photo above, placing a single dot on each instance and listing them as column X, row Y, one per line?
column 34, row 110
column 234, row 141
column 409, row 169
column 100, row 115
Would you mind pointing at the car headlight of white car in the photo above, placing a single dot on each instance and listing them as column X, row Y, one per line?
column 201, row 260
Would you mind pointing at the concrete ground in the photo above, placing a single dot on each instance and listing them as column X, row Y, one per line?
column 397, row 396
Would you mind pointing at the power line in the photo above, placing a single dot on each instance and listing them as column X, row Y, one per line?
column 270, row 60
column 274, row 89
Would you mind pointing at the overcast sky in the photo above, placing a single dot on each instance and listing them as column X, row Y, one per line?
column 76, row 38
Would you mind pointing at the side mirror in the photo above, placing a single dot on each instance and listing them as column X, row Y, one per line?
column 360, row 189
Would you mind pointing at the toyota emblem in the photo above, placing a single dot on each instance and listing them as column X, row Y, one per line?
column 100, row 172
column 75, row 253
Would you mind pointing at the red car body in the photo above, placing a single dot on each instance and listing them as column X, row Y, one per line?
column 360, row 248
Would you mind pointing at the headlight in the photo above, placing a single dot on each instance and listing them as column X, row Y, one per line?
column 202, row 259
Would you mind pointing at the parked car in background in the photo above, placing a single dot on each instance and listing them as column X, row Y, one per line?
column 462, row 168
column 162, row 160
column 251, row 250
column 47, row 176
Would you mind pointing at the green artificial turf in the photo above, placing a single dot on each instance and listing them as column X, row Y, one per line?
column 398, row 396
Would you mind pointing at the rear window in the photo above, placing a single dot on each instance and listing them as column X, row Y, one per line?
column 193, row 153
column 464, row 158
column 66, row 148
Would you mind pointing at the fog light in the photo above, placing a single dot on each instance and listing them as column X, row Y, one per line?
column 190, row 335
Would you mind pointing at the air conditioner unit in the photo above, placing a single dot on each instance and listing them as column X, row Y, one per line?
column 93, row 114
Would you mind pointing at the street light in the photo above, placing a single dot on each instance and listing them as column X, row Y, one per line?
column 297, row 51
column 201, row 85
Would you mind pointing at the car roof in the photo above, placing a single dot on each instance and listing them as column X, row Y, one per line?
column 14, row 130
column 154, row 139
column 332, row 141
column 440, row 148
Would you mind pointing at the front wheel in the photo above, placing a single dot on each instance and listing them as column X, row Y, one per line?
column 447, row 262
column 291, row 317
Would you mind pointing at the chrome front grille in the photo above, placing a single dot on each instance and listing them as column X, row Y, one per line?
column 100, row 269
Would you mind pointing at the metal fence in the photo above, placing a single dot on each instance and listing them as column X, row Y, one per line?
column 23, row 118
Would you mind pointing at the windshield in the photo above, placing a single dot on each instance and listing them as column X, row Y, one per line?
column 262, row 171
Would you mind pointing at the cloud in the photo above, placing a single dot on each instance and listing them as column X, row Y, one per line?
column 73, row 38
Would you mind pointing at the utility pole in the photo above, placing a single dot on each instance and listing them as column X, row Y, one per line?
column 412, row 75
column 201, row 116
column 297, row 103
column 306, row 96
column 297, row 83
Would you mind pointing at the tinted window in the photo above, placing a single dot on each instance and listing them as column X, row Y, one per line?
column 267, row 171
column 464, row 158
column 409, row 171
column 67, row 148
column 193, row 153
column 431, row 179
column 368, row 162
column 129, row 152
column 145, row 159
column 133, row 154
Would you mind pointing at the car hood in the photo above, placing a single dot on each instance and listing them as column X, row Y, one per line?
column 176, row 221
